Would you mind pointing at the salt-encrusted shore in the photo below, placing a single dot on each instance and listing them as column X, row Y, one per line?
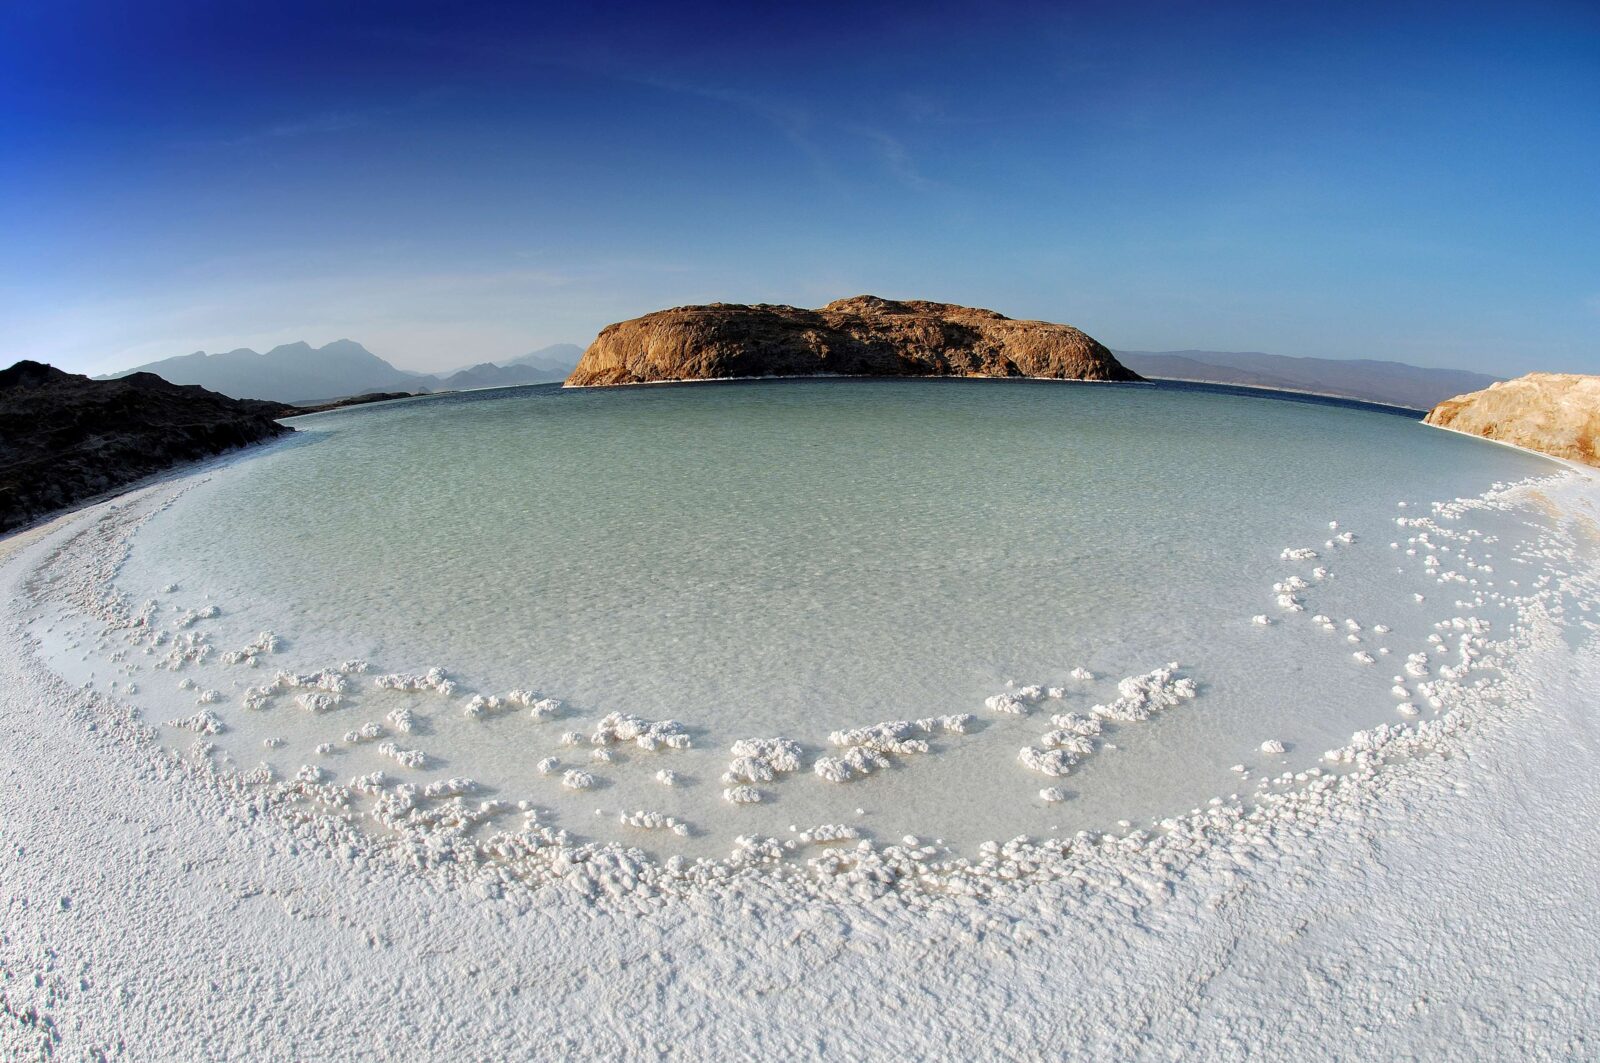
column 1437, row 904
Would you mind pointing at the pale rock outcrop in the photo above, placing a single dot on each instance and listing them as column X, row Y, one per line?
column 1554, row 413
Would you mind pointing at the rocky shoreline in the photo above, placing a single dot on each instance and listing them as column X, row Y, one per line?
column 1553, row 413
column 66, row 438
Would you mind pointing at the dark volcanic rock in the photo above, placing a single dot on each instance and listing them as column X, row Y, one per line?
column 863, row 336
column 65, row 438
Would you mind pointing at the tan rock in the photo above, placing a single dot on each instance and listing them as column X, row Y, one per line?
column 862, row 336
column 1554, row 413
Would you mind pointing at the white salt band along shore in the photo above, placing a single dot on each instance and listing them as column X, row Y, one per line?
column 1488, row 630
column 474, row 836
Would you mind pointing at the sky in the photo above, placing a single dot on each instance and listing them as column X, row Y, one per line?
column 450, row 183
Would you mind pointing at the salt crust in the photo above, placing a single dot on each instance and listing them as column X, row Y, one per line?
column 535, row 857
column 865, row 750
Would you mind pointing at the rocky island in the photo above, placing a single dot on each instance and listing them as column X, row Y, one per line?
column 861, row 336
column 65, row 438
column 1554, row 413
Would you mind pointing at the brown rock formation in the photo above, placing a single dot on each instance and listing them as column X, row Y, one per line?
column 863, row 336
column 65, row 438
column 1554, row 413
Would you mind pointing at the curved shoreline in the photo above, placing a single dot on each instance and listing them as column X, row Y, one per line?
column 318, row 913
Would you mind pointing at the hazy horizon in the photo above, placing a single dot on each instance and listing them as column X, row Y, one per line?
column 447, row 187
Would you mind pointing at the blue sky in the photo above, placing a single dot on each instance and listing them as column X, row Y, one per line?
column 450, row 183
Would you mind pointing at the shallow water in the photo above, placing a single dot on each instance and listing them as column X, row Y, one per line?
column 789, row 558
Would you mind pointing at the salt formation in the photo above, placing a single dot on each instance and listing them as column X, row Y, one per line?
column 741, row 795
column 265, row 643
column 761, row 760
column 1082, row 674
column 1008, row 702
column 1272, row 746
column 653, row 821
column 328, row 681
column 402, row 720
column 406, row 758
column 540, row 708
column 204, row 722
column 1070, row 741
column 370, row 783
column 367, row 732
column 577, row 780
column 867, row 749
column 1141, row 696
column 1298, row 554
column 316, row 701
column 1052, row 795
column 667, row 777
column 648, row 735
column 190, row 617
column 433, row 679
column 548, row 766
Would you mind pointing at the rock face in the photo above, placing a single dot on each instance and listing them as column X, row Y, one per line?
column 65, row 438
column 863, row 336
column 1554, row 413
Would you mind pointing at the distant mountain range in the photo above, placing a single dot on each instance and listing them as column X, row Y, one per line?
column 1393, row 383
column 303, row 375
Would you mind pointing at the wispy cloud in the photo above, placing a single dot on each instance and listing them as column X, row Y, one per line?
column 310, row 125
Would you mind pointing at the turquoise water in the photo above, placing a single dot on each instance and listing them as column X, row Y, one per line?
column 788, row 558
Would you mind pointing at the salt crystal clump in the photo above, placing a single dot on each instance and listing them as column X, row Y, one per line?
column 353, row 667
column 317, row 701
column 209, row 697
column 571, row 738
column 827, row 832
column 1363, row 657
column 1298, row 554
column 367, row 732
column 402, row 720
column 1052, row 795
column 577, row 780
column 742, row 795
column 548, row 766
column 257, row 697
column 482, row 705
column 406, row 758
column 204, row 722
column 648, row 735
column 449, row 788
column 274, row 743
column 667, row 777
column 600, row 755
column 310, row 773
column 266, row 642
column 1007, row 702
column 371, row 783
column 433, row 679
column 1140, row 696
column 190, row 616
column 866, row 749
column 1272, row 745
column 326, row 680
column 1052, row 762
column 1261, row 619
column 1082, row 674
column 187, row 684
column 653, row 821
column 761, row 760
